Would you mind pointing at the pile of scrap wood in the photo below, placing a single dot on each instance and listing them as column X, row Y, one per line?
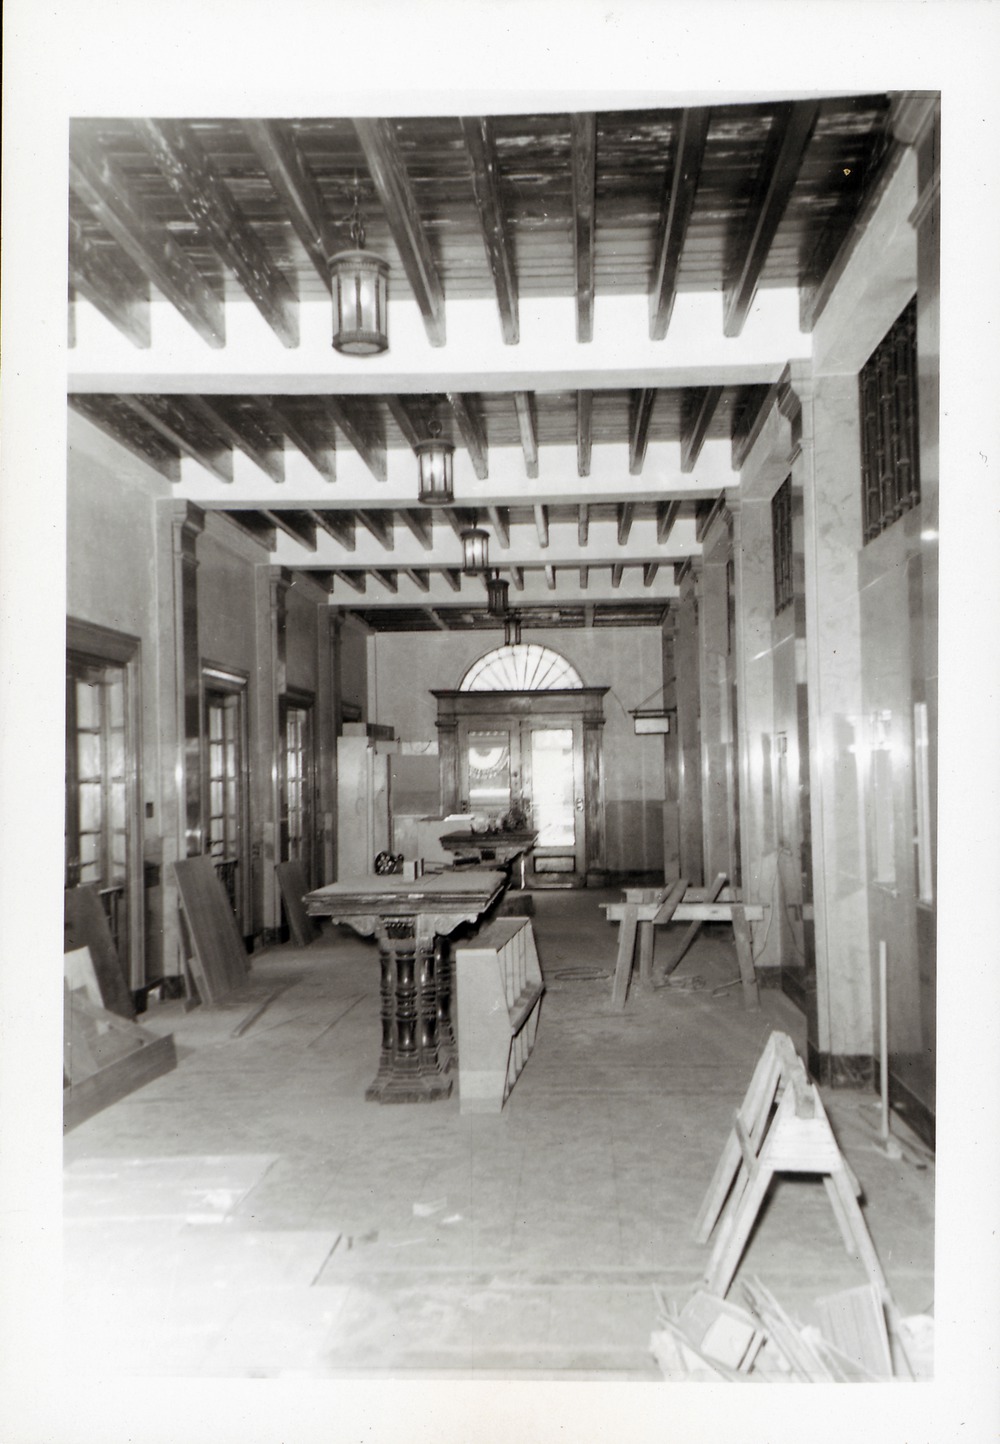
column 711, row 1338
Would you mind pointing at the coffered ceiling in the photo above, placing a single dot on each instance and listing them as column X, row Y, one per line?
column 594, row 307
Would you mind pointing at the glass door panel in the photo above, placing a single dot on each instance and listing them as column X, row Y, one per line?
column 552, row 786
column 488, row 758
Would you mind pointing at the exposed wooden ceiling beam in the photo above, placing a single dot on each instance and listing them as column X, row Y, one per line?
column 517, row 578
column 256, row 524
column 299, row 525
column 524, row 405
column 704, row 403
column 435, row 617
column 241, row 428
column 481, row 146
column 616, row 574
column 675, row 215
column 472, row 431
column 130, row 431
column 115, row 202
column 396, row 196
column 588, row 616
column 626, row 511
column 167, row 417
column 403, row 419
column 356, row 579
column 319, row 454
column 584, row 578
column 339, row 525
column 550, row 578
column 460, row 519
column 649, row 573
column 379, row 523
column 584, row 416
column 389, row 579
column 419, row 577
column 584, row 163
column 107, row 278
column 666, row 515
column 542, row 525
column 209, row 202
column 453, row 577
column 276, row 149
column 791, row 130
column 370, row 448
column 421, row 524
column 638, row 431
column 583, row 524
column 500, row 519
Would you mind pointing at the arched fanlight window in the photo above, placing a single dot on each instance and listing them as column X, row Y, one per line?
column 523, row 667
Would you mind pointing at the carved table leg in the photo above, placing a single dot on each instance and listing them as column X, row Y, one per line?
column 409, row 1070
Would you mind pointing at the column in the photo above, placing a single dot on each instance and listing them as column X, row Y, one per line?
column 271, row 586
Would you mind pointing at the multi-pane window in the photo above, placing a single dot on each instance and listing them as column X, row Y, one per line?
column 781, row 546
column 223, row 728
column 890, row 457
column 524, row 667
column 296, row 783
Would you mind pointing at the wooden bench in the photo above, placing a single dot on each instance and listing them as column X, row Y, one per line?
column 499, row 987
column 642, row 910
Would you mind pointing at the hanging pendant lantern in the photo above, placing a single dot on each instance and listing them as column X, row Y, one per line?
column 512, row 630
column 435, row 467
column 496, row 595
column 360, row 281
column 475, row 548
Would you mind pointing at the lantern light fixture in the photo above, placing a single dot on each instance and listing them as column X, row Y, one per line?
column 476, row 550
column 512, row 630
column 496, row 595
column 360, row 284
column 435, row 468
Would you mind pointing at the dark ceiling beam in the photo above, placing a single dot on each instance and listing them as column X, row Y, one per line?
column 339, row 525
column 299, row 525
column 421, row 525
column 389, row 579
column 583, row 524
column 379, row 523
column 584, row 440
column 616, row 574
column 666, row 515
column 370, row 448
column 550, row 578
column 641, row 410
column 247, row 434
column 355, row 580
column 276, row 149
column 542, row 525
column 114, row 201
column 255, row 524
column 791, row 130
column 130, row 431
column 626, row 512
column 584, row 578
column 168, row 418
column 517, row 578
column 319, row 454
column 396, row 196
column 453, row 577
column 209, row 202
column 473, row 435
column 584, row 163
column 460, row 519
column 419, row 577
column 704, row 404
column 500, row 519
column 675, row 215
column 751, row 421
column 649, row 573
column 405, row 422
column 524, row 405
column 105, row 276
column 481, row 146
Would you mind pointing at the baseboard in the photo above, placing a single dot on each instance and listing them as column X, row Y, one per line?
column 841, row 1070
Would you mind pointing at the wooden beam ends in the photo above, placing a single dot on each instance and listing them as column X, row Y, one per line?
column 675, row 215
column 638, row 432
column 481, row 146
column 473, row 435
column 704, row 401
column 584, row 162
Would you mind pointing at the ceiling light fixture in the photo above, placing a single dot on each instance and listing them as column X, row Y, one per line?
column 476, row 550
column 435, row 468
column 360, row 292
column 512, row 630
column 496, row 595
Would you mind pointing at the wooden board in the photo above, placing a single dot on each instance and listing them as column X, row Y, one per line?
column 105, row 1058
column 695, row 928
column 218, row 955
column 292, row 886
column 86, row 926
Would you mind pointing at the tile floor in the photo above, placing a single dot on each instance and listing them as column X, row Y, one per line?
column 250, row 1215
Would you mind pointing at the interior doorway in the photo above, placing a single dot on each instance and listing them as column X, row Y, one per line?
column 226, row 786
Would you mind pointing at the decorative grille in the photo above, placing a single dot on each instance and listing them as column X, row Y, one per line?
column 890, row 456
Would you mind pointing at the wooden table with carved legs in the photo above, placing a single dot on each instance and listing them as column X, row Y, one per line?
column 411, row 920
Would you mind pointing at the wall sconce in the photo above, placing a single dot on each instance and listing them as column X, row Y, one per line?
column 360, row 294
column 476, row 550
column 496, row 595
column 435, row 463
